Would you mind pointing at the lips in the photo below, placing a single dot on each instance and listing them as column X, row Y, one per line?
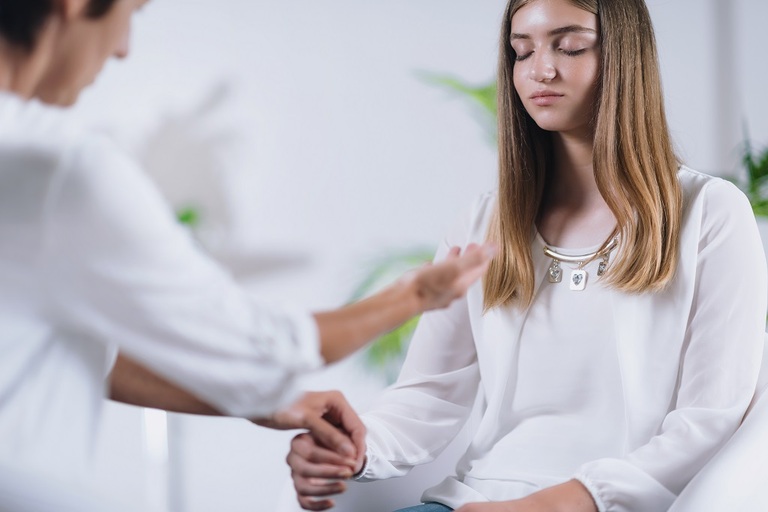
column 545, row 98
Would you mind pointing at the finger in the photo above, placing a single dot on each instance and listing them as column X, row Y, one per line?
column 331, row 437
column 301, row 467
column 358, row 438
column 453, row 252
column 318, row 487
column 305, row 448
column 309, row 503
column 476, row 255
column 344, row 416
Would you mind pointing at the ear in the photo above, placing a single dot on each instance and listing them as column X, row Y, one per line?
column 71, row 9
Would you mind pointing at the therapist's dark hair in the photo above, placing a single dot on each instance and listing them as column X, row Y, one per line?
column 20, row 20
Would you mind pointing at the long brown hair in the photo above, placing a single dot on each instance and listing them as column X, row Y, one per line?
column 634, row 161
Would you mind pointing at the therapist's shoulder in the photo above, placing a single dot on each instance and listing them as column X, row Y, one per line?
column 72, row 175
column 44, row 142
column 33, row 137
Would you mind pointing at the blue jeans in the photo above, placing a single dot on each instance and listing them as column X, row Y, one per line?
column 426, row 507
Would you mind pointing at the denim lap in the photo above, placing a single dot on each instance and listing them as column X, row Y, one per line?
column 426, row 507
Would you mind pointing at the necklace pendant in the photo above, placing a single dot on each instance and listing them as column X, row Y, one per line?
column 578, row 280
column 555, row 273
column 603, row 266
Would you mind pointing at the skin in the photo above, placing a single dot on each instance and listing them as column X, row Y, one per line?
column 70, row 52
column 558, row 51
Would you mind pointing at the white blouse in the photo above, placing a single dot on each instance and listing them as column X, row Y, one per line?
column 92, row 262
column 631, row 395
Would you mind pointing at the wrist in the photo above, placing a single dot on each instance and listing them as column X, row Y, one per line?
column 407, row 295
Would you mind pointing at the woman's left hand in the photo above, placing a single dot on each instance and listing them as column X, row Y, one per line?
column 571, row 496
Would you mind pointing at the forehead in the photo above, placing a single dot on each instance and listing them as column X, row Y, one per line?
column 547, row 15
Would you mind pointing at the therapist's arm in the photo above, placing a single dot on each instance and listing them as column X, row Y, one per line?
column 347, row 329
column 326, row 414
column 131, row 383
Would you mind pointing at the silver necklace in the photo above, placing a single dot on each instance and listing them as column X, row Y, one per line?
column 579, row 276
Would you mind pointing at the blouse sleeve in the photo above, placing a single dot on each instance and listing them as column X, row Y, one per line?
column 722, row 352
column 417, row 417
column 125, row 273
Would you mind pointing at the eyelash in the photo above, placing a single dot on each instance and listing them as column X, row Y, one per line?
column 569, row 53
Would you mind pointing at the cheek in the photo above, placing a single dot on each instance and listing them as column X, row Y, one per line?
column 587, row 76
column 518, row 79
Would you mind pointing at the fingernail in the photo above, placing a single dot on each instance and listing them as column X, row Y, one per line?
column 348, row 450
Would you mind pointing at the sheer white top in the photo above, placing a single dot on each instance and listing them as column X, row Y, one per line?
column 632, row 401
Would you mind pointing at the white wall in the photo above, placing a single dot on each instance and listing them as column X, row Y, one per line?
column 334, row 153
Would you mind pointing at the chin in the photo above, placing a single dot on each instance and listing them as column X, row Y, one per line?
column 59, row 97
column 551, row 124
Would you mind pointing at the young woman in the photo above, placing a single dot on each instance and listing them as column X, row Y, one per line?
column 615, row 342
column 97, row 280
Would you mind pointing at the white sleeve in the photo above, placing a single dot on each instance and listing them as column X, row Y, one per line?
column 722, row 352
column 418, row 416
column 124, row 272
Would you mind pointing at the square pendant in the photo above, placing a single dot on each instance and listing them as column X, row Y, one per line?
column 578, row 280
column 555, row 272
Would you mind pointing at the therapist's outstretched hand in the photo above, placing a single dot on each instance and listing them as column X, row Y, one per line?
column 433, row 286
column 437, row 285
column 329, row 418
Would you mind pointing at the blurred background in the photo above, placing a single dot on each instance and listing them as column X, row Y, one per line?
column 308, row 142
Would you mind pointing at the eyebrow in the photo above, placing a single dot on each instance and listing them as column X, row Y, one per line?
column 556, row 32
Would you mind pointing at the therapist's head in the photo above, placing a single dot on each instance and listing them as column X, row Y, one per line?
column 53, row 49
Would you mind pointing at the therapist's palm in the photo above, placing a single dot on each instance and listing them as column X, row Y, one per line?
column 440, row 284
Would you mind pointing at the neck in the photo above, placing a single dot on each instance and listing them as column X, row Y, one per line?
column 21, row 71
column 573, row 212
column 572, row 179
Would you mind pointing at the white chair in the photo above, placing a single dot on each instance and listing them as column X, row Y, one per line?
column 736, row 479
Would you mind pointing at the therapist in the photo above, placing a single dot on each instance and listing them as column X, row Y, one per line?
column 103, row 294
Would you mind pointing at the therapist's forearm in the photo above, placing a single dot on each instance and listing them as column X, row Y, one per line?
column 133, row 384
column 327, row 415
column 347, row 329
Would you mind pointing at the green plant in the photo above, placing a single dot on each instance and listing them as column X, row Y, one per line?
column 756, row 186
column 189, row 217
column 386, row 353
column 483, row 97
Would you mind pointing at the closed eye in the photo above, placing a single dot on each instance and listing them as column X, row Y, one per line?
column 573, row 53
column 519, row 58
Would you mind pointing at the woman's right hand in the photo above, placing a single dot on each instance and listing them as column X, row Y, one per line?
column 319, row 473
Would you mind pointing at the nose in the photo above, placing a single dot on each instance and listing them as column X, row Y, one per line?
column 542, row 68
